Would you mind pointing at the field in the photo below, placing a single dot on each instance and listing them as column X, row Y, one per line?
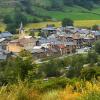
column 78, row 23
column 75, row 13
column 86, row 23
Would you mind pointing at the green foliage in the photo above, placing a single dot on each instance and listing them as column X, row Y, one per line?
column 8, row 19
column 16, row 68
column 92, row 96
column 97, row 46
column 89, row 73
column 13, row 22
column 76, row 65
column 67, row 22
column 57, row 4
column 48, row 9
column 50, row 84
column 53, row 68
column 95, row 27
column 92, row 57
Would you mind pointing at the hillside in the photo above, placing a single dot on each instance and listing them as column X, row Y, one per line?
column 52, row 9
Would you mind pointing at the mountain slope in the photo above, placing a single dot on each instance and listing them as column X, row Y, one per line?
column 52, row 9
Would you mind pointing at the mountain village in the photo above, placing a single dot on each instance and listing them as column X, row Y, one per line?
column 53, row 41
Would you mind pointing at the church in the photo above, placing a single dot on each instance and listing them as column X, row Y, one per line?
column 24, row 42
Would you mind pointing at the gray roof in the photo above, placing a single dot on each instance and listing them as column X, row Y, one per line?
column 5, row 35
column 84, row 31
column 54, row 41
column 37, row 51
column 97, row 33
column 2, row 39
column 70, row 43
column 49, row 29
column 70, row 27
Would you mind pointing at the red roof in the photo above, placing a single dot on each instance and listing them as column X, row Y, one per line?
column 61, row 46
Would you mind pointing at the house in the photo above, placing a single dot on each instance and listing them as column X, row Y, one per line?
column 45, row 32
column 98, row 27
column 24, row 42
column 14, row 46
column 18, row 45
column 97, row 35
column 77, row 40
column 38, row 52
column 89, row 39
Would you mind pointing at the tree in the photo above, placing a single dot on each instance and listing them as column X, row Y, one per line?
column 67, row 22
column 20, row 17
column 97, row 46
column 11, row 28
column 24, row 63
column 92, row 57
column 68, row 2
column 53, row 68
column 8, row 19
column 57, row 4
column 27, row 6
column 76, row 64
column 95, row 27
column 13, row 22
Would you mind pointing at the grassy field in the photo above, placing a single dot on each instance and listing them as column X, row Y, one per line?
column 75, row 13
column 21, row 91
column 86, row 23
column 78, row 23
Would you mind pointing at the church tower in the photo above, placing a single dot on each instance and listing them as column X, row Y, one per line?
column 21, row 31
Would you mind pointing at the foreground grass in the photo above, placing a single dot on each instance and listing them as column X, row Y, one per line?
column 78, row 91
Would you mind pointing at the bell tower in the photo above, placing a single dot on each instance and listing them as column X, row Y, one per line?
column 21, row 31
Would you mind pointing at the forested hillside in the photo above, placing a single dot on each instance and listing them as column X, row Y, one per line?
column 12, row 12
column 51, row 9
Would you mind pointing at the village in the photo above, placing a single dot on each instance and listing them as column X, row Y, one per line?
column 53, row 41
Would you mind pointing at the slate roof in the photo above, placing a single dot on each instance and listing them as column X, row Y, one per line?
column 37, row 51
column 5, row 35
column 49, row 29
column 97, row 33
column 2, row 39
column 84, row 31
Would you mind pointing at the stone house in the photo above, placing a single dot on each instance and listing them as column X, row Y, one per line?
column 18, row 45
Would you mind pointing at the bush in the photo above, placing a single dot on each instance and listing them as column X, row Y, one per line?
column 97, row 46
column 89, row 73
column 50, row 84
column 92, row 58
